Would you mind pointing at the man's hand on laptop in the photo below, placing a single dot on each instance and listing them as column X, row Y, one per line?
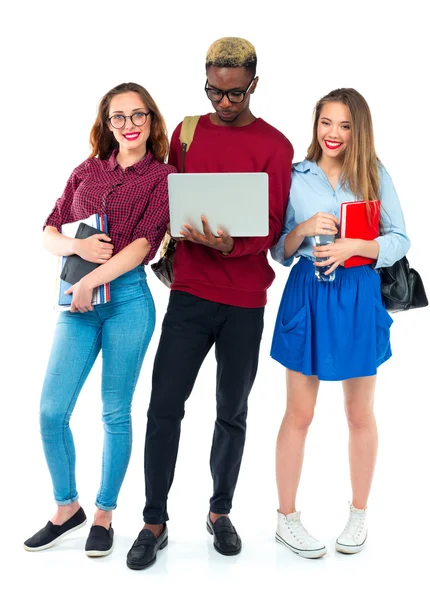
column 222, row 242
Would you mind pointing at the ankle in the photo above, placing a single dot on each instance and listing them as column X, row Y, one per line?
column 287, row 509
column 358, row 506
column 214, row 516
column 64, row 513
column 157, row 530
column 103, row 518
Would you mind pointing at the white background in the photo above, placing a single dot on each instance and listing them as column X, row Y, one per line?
column 58, row 59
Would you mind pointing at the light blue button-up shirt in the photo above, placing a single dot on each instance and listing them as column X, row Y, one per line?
column 311, row 192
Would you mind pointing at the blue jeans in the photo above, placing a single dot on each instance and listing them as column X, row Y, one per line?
column 122, row 329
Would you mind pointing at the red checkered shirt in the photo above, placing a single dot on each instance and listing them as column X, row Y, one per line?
column 135, row 200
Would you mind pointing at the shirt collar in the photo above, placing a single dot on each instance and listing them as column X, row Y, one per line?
column 111, row 163
column 306, row 165
column 139, row 167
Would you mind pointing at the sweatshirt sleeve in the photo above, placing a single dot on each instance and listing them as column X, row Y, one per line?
column 175, row 149
column 394, row 243
column 278, row 251
column 278, row 169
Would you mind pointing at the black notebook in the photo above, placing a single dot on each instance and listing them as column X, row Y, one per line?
column 76, row 267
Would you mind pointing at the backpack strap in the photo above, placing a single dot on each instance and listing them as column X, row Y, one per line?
column 188, row 128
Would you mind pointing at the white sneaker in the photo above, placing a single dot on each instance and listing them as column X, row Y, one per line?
column 292, row 534
column 354, row 535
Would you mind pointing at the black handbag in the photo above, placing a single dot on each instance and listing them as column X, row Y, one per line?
column 163, row 268
column 402, row 287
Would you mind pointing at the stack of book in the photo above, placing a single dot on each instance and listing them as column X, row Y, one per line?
column 72, row 268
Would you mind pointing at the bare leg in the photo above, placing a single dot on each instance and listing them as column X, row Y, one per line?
column 103, row 518
column 363, row 436
column 302, row 393
column 64, row 513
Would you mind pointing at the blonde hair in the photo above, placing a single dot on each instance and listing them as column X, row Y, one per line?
column 360, row 165
column 232, row 52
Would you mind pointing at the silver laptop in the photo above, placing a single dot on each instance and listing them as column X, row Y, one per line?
column 237, row 203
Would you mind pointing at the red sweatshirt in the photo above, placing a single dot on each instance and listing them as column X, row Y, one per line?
column 242, row 277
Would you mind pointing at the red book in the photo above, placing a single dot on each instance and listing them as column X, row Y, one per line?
column 358, row 222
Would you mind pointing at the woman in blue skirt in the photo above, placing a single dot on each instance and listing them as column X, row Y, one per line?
column 337, row 329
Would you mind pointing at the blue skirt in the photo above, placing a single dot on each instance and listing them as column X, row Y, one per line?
column 335, row 330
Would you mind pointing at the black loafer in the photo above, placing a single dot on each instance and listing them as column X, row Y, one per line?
column 99, row 541
column 50, row 534
column 143, row 553
column 226, row 538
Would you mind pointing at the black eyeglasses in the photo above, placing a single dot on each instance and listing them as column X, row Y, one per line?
column 138, row 119
column 234, row 96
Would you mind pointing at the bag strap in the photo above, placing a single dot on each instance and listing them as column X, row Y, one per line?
column 188, row 128
column 186, row 135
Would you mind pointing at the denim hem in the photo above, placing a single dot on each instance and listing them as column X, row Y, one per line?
column 66, row 502
column 106, row 508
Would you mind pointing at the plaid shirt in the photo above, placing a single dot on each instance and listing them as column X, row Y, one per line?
column 135, row 200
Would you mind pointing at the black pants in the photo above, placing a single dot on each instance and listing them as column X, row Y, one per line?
column 190, row 328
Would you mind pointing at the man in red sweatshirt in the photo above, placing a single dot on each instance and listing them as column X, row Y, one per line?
column 218, row 297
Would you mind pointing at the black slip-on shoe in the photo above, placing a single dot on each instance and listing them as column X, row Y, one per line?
column 50, row 534
column 226, row 538
column 143, row 553
column 99, row 541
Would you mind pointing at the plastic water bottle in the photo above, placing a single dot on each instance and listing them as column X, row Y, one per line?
column 323, row 240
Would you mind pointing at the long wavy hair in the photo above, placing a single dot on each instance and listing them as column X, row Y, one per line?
column 103, row 141
column 360, row 164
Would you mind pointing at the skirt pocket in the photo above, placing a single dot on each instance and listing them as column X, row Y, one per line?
column 292, row 337
column 383, row 322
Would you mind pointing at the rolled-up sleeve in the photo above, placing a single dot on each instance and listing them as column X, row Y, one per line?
column 154, row 222
column 61, row 213
column 394, row 243
column 277, row 251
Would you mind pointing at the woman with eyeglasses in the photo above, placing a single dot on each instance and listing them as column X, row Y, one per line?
column 332, row 325
column 124, row 178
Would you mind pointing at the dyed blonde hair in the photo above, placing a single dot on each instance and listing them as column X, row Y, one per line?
column 232, row 52
column 360, row 165
column 101, row 138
